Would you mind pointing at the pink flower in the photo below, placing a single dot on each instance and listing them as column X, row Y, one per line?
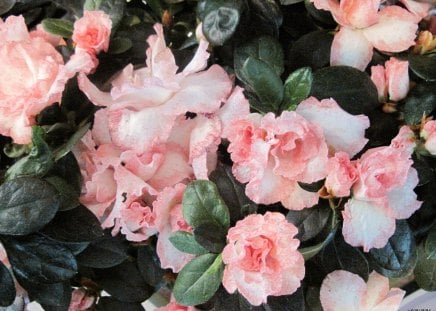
column 147, row 102
column 80, row 300
column 382, row 194
column 341, row 175
column 274, row 154
column 33, row 77
column 169, row 219
column 429, row 134
column 261, row 258
column 393, row 80
column 342, row 131
column 364, row 27
column 138, row 221
column 405, row 140
column 343, row 290
column 92, row 31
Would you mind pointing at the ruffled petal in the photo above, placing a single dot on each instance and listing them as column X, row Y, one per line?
column 199, row 62
column 418, row 9
column 367, row 224
column 342, row 291
column 236, row 107
column 395, row 31
column 350, row 48
column 342, row 131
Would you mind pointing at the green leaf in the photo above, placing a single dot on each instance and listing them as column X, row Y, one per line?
column 119, row 45
column 72, row 141
column 68, row 169
column 76, row 225
column 211, row 236
column 26, row 205
column 265, row 17
column 220, row 19
column 40, row 259
column 53, row 294
column 264, row 48
column 425, row 270
column 15, row 150
column 7, row 288
column 309, row 221
column 430, row 243
column 321, row 15
column 421, row 101
column 313, row 302
column 198, row 281
column 58, row 27
column 287, row 2
column 149, row 265
column 398, row 257
column 6, row 5
column 310, row 251
column 351, row 88
column 203, row 204
column 294, row 302
column 185, row 242
column 261, row 79
column 67, row 194
column 297, row 88
column 115, row 9
column 38, row 162
column 424, row 66
column 92, row 5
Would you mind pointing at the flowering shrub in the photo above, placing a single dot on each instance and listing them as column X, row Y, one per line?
column 216, row 154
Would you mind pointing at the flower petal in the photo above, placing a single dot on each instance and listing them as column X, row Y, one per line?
column 350, row 48
column 199, row 61
column 367, row 224
column 379, row 297
column 395, row 31
column 418, row 9
column 360, row 14
column 379, row 79
column 397, row 76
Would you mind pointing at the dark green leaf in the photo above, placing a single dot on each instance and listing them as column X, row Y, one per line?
column 77, row 225
column 309, row 221
column 310, row 251
column 425, row 270
column 74, row 139
column 424, row 66
column 149, row 265
column 6, row 5
column 92, row 5
column 198, row 281
column 15, row 150
column 67, row 194
column 313, row 187
column 313, row 302
column 210, row 236
column 425, row 170
column 185, row 242
column 103, row 253
column 68, row 169
column 203, row 204
column 297, row 88
column 339, row 255
column 26, row 205
column 220, row 19
column 261, row 79
column 321, row 15
column 398, row 257
column 115, row 9
column 38, row 162
column 124, row 282
column 294, row 302
column 7, row 287
column 58, row 27
column 111, row 304
column 231, row 191
column 119, row 45
column 39, row 259
column 421, row 101
column 265, row 48
column 430, row 243
column 352, row 89
column 287, row 2
column 73, row 7
column 311, row 50
column 265, row 16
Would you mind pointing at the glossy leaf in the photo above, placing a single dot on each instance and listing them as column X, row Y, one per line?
column 67, row 194
column 72, row 141
column 211, row 237
column 7, row 288
column 26, row 205
column 398, row 257
column 425, row 270
column 421, row 101
column 119, row 45
column 39, row 259
column 297, row 88
column 202, row 204
column 6, row 5
column 58, row 27
column 311, row 251
column 149, row 265
column 424, row 66
column 265, row 16
column 198, row 281
column 185, row 242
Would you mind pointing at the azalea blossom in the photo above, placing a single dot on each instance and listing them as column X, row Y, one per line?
column 364, row 27
column 341, row 175
column 81, row 300
column 261, row 258
column 392, row 80
column 428, row 133
column 342, row 291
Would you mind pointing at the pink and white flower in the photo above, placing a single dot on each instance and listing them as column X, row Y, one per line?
column 363, row 27
column 261, row 258
column 341, row 175
column 428, row 133
column 342, row 290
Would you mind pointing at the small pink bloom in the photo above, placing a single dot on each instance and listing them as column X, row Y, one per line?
column 429, row 134
column 261, row 258
column 405, row 139
column 80, row 300
column 364, row 27
column 343, row 290
column 342, row 131
column 341, row 175
column 393, row 80
column 92, row 31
